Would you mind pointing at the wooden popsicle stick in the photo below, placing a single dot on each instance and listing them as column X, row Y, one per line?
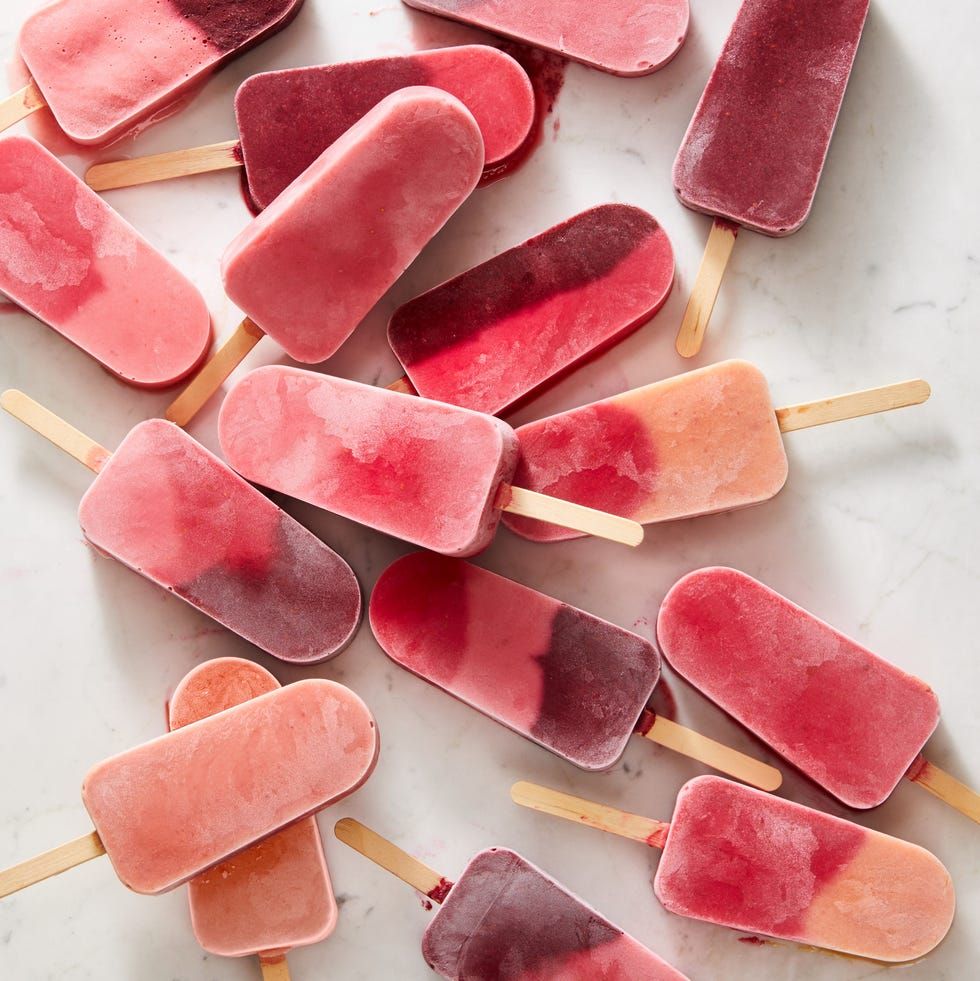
column 274, row 970
column 721, row 241
column 717, row 755
column 390, row 857
column 948, row 789
column 54, row 862
column 163, row 166
column 853, row 405
column 402, row 385
column 53, row 428
column 210, row 378
column 600, row 816
column 20, row 104
column 531, row 504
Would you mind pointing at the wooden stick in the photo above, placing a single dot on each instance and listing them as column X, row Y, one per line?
column 948, row 789
column 402, row 385
column 721, row 241
column 718, row 756
column 531, row 504
column 853, row 405
column 163, row 166
column 20, row 105
column 55, row 429
column 54, row 862
column 210, row 378
column 390, row 857
column 274, row 970
column 611, row 819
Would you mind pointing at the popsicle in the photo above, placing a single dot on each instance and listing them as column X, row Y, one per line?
column 101, row 66
column 286, row 119
column 275, row 895
column 623, row 37
column 566, row 680
column 432, row 474
column 849, row 720
column 493, row 336
column 752, row 862
column 506, row 920
column 167, row 508
column 754, row 152
column 699, row 443
column 68, row 259
column 171, row 808
column 310, row 267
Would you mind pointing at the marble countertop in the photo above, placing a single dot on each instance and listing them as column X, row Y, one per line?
column 877, row 530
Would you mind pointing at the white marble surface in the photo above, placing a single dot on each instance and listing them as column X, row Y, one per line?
column 877, row 529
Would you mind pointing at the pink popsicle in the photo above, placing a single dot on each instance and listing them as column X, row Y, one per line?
column 698, row 443
column 310, row 267
column 624, row 37
column 286, row 119
column 557, row 675
column 275, row 895
column 178, row 805
column 848, row 719
column 506, row 920
column 72, row 262
column 494, row 335
column 170, row 510
column 103, row 65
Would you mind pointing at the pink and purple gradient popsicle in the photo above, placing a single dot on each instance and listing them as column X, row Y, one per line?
column 273, row 896
column 493, row 336
column 68, row 259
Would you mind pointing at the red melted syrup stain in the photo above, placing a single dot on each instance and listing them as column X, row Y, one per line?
column 440, row 892
column 754, row 941
column 663, row 702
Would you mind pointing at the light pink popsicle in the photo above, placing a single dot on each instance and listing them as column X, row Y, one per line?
column 275, row 895
column 170, row 510
column 104, row 65
column 68, row 259
column 422, row 471
column 310, row 267
column 849, row 720
column 172, row 808
column 698, row 443
column 624, row 37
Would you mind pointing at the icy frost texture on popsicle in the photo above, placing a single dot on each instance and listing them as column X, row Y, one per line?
column 68, row 259
column 286, row 119
column 747, row 860
column 756, row 146
column 103, row 65
column 312, row 265
column 422, row 471
column 624, row 37
column 491, row 336
column 698, row 443
column 177, row 805
column 506, row 920
column 571, row 682
column 275, row 895
column 172, row 511
column 849, row 720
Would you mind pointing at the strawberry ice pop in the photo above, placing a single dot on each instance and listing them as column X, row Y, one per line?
column 756, row 863
column 275, row 895
column 624, row 37
column 286, row 119
column 699, row 443
column 168, row 810
column 506, row 920
column 167, row 508
column 68, row 259
column 494, row 335
column 756, row 147
column 432, row 474
column 310, row 267
column 848, row 719
column 566, row 680
column 101, row 66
